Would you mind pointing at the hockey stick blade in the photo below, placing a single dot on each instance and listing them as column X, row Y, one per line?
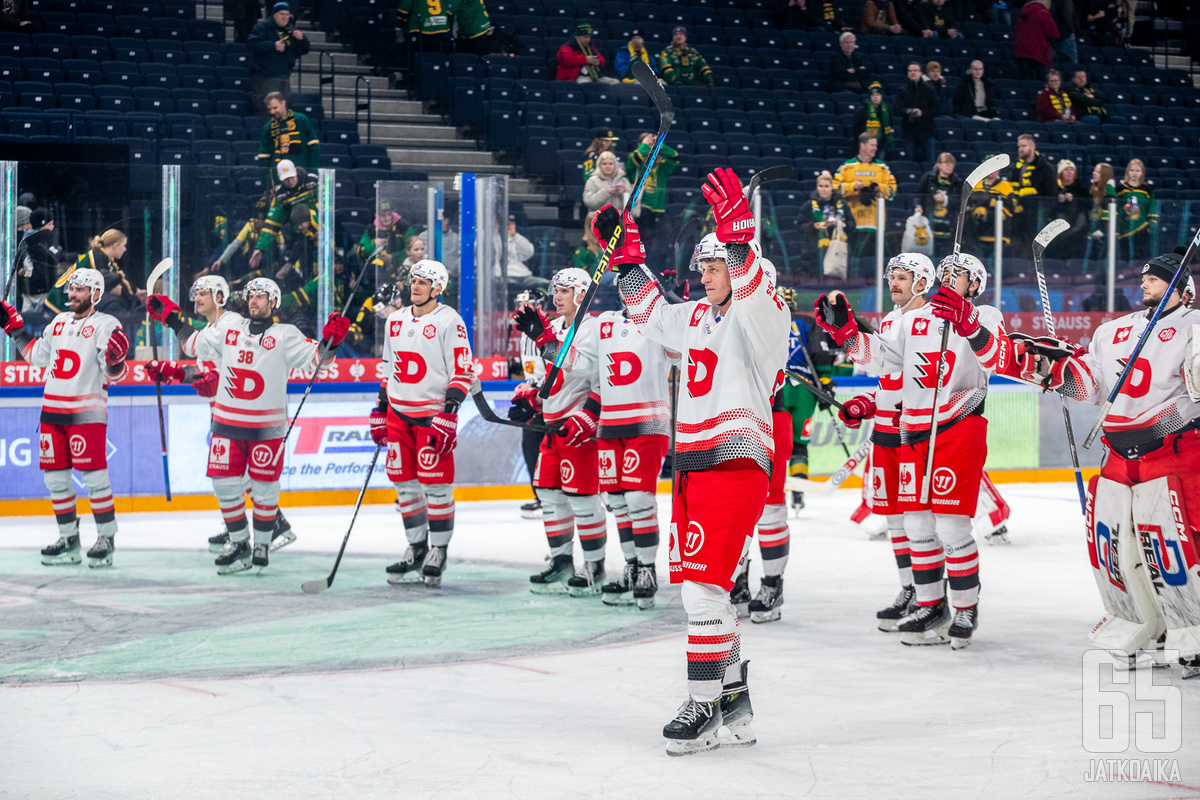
column 658, row 95
column 159, row 270
column 993, row 164
column 817, row 391
column 779, row 172
column 489, row 414
column 1053, row 228
column 320, row 585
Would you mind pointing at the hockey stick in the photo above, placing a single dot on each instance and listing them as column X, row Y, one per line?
column 1040, row 242
column 794, row 483
column 812, row 368
column 776, row 173
column 489, row 414
column 993, row 164
column 22, row 248
column 684, row 231
column 666, row 114
column 818, row 391
column 1137, row 349
column 318, row 586
column 159, row 270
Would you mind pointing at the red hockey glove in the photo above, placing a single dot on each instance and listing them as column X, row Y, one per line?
column 11, row 318
column 578, row 428
column 725, row 194
column 379, row 427
column 206, row 383
column 118, row 348
column 164, row 371
column 1044, row 360
column 443, row 433
column 630, row 249
column 525, row 403
column 336, row 328
column 835, row 316
column 159, row 307
column 951, row 306
column 856, row 410
column 534, row 324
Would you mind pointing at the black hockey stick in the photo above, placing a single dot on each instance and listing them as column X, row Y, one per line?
column 666, row 115
column 490, row 415
column 817, row 391
column 22, row 249
column 776, row 173
column 685, row 230
column 993, row 164
column 318, row 586
column 159, row 270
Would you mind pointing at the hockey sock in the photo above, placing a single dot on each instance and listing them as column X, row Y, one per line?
column 413, row 510
column 62, row 498
column 773, row 538
column 928, row 558
column 266, row 504
column 592, row 524
column 100, row 492
column 558, row 520
column 962, row 558
column 643, row 513
column 895, row 527
column 714, row 642
column 232, row 500
column 441, row 513
column 798, row 462
column 620, row 511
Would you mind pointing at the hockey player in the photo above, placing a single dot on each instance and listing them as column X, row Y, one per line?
column 735, row 344
column 85, row 351
column 429, row 372
column 525, row 406
column 633, row 440
column 939, row 531
column 253, row 357
column 567, row 480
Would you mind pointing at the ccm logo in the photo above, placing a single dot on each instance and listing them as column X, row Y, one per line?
column 743, row 224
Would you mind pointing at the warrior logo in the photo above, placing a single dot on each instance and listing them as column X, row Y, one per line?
column 566, row 472
column 78, row 445
column 944, row 480
column 631, row 462
column 218, row 451
column 261, row 456
column 694, row 540
column 427, row 459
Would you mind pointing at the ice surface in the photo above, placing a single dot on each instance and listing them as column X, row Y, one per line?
column 160, row 679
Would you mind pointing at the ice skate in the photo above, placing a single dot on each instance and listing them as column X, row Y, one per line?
column 646, row 587
column 101, row 553
column 588, row 580
column 408, row 569
column 797, row 502
column 282, row 536
column 218, row 543
column 64, row 551
column 765, row 605
column 739, row 595
column 694, row 728
column 966, row 620
column 1190, row 666
column 736, row 712
column 531, row 510
column 620, row 591
column 261, row 556
column 998, row 536
column 926, row 625
column 553, row 579
column 904, row 604
column 435, row 565
column 236, row 558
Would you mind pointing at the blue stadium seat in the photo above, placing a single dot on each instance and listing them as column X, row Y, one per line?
column 226, row 127
column 192, row 101
column 213, row 153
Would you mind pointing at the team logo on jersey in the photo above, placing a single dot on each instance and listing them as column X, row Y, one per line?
column 268, row 343
column 886, row 326
column 944, row 481
column 261, row 456
column 410, row 367
column 606, row 330
column 87, row 332
column 1122, row 334
column 694, row 539
column 928, row 364
column 66, row 365
column 702, row 368
column 623, row 368
column 427, row 459
column 78, row 444
column 46, row 446
column 608, row 464
column 1166, row 334
column 394, row 327
column 244, row 384
column 218, row 451
column 878, row 486
column 566, row 472
column 462, row 359
column 430, row 331
column 698, row 314
column 908, row 478
column 231, row 338
column 920, row 327
column 393, row 456
column 58, row 328
column 631, row 462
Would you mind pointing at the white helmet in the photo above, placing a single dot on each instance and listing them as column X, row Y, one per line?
column 573, row 277
column 708, row 248
column 270, row 287
column 918, row 265
column 90, row 278
column 966, row 262
column 213, row 284
column 432, row 271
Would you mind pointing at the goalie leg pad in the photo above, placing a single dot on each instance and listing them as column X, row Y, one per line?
column 1168, row 554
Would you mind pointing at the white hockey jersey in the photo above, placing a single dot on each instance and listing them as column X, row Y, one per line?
column 580, row 375
column 1154, row 401
column 888, row 400
column 76, row 390
column 251, row 399
column 427, row 359
column 634, row 374
column 912, row 348
column 735, row 363
column 214, row 332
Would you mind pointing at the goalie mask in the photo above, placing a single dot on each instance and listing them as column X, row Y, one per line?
column 918, row 265
column 213, row 284
column 964, row 262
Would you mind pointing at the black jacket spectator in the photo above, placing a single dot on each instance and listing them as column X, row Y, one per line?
column 912, row 16
column 964, row 98
column 941, row 19
column 809, row 14
column 1087, row 99
column 243, row 14
column 36, row 263
column 265, row 60
column 913, row 96
column 847, row 73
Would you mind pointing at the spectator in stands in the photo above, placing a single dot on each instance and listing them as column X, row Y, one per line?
column 1088, row 100
column 1102, row 175
column 917, row 104
column 937, row 82
column 819, row 222
column 37, row 258
column 587, row 255
column 605, row 141
column 450, row 238
column 14, row 16
column 1065, row 19
column 937, row 198
column 1104, row 21
column 875, row 117
column 1035, row 185
column 809, row 14
column 385, row 238
column 654, row 192
column 911, row 14
column 1073, row 206
column 1035, row 36
column 635, row 50
column 607, row 184
column 975, row 96
column 274, row 50
column 982, row 209
column 243, row 244
column 579, row 61
column 1053, row 103
column 847, row 72
column 940, row 19
column 1137, row 212
column 296, row 187
column 862, row 181
column 243, row 14
column 414, row 251
column 120, row 299
column 23, row 225
column 520, row 250
column 879, row 16
column 680, row 64
column 288, row 134
column 1097, row 301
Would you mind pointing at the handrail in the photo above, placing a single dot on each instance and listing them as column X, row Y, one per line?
column 323, row 80
column 360, row 105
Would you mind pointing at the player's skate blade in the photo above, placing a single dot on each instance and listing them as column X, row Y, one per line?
column 218, row 543
column 101, row 553
column 236, row 558
column 736, row 712
column 435, row 565
column 407, row 571
column 282, row 536
column 620, row 591
column 261, row 556
column 766, row 606
column 64, row 552
column 588, row 580
column 531, row 510
column 553, row 579
column 998, row 536
column 904, row 604
column 694, row 729
column 1190, row 667
column 926, row 626
column 965, row 621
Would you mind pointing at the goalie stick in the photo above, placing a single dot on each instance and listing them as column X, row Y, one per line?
column 159, row 270
column 317, row 586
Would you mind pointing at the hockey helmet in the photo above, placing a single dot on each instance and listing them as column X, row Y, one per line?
column 573, row 277
column 964, row 262
column 432, row 271
column 708, row 249
column 536, row 296
column 266, row 286
column 90, row 278
column 212, row 284
column 918, row 265
column 788, row 295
